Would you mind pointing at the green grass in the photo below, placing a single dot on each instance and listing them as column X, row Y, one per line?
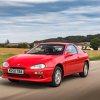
column 3, row 57
column 93, row 55
column 0, row 73
column 95, row 58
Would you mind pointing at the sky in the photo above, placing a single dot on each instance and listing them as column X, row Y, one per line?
column 30, row 20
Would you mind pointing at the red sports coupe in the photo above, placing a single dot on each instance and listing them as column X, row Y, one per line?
column 47, row 62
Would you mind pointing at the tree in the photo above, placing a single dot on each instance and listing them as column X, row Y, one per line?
column 31, row 45
column 23, row 45
column 95, row 43
column 7, row 42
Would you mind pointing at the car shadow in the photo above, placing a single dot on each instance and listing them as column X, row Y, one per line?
column 34, row 85
column 22, row 84
column 71, row 77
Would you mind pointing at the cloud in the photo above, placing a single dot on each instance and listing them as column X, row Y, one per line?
column 83, row 9
column 29, row 21
column 41, row 26
column 35, row 1
column 22, row 3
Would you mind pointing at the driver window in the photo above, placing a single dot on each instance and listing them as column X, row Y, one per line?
column 72, row 49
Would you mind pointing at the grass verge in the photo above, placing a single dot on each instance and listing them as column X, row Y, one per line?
column 3, row 57
column 95, row 58
column 0, row 72
column 7, row 52
column 93, row 55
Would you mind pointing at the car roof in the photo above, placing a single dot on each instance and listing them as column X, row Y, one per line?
column 61, row 43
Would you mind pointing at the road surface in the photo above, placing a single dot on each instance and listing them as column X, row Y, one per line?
column 72, row 88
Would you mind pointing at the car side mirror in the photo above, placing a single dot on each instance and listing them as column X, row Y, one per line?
column 69, row 54
column 25, row 52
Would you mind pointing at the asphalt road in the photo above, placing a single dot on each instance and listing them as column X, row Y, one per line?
column 72, row 88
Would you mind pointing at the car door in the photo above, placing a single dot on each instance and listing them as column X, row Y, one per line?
column 71, row 62
column 82, row 57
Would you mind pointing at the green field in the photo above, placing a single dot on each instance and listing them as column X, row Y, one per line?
column 8, row 52
column 3, row 57
column 94, row 55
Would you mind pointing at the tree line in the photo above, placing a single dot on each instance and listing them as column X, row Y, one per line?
column 93, row 39
column 72, row 39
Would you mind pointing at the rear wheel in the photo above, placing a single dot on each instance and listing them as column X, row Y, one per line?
column 57, row 77
column 12, row 80
column 85, row 70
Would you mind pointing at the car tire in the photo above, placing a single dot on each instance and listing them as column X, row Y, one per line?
column 57, row 77
column 85, row 70
column 12, row 80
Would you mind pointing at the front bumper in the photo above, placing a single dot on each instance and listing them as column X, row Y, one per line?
column 44, row 75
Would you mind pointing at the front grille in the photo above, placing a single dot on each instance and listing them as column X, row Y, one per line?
column 18, row 75
column 17, row 67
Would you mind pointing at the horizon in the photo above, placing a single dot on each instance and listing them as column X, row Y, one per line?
column 44, row 39
column 31, row 20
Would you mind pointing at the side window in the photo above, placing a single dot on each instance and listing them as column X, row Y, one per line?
column 72, row 49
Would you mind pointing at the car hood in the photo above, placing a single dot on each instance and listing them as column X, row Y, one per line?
column 27, row 60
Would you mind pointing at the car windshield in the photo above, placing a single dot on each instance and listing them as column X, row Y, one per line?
column 48, row 49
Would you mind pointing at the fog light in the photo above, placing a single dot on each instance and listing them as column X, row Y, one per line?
column 38, row 73
column 41, row 77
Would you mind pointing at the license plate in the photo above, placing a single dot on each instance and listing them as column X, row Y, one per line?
column 15, row 71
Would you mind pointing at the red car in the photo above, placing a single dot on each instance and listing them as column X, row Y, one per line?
column 47, row 62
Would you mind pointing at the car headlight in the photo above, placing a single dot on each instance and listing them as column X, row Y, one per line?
column 5, row 64
column 39, row 66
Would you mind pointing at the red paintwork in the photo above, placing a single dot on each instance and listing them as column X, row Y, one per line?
column 71, row 64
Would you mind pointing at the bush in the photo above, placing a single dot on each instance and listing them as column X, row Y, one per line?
column 95, row 43
column 23, row 45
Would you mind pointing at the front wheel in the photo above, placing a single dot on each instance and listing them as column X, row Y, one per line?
column 85, row 70
column 57, row 77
